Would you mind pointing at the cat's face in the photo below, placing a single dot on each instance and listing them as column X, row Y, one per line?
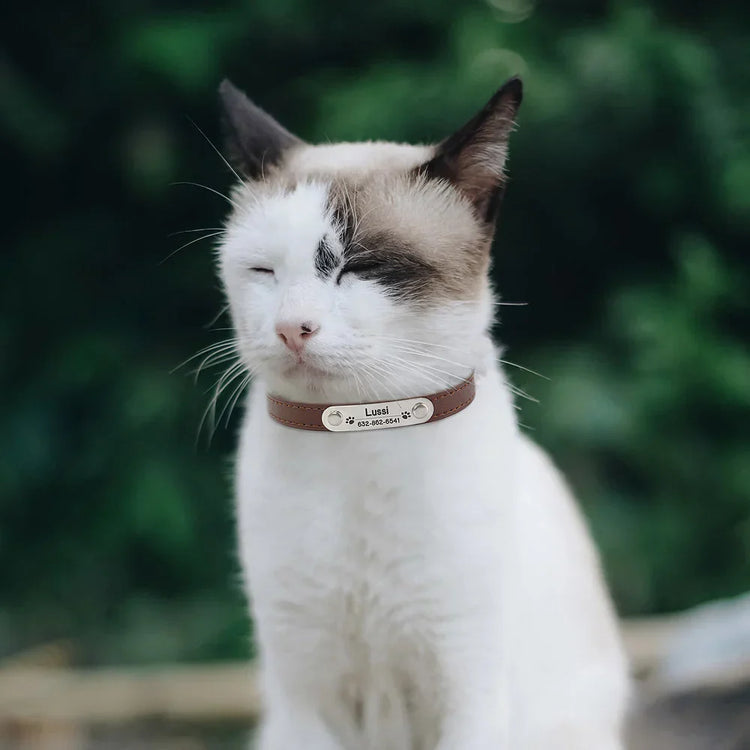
column 359, row 271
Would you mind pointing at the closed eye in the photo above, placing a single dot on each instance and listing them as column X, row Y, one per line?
column 358, row 268
column 259, row 269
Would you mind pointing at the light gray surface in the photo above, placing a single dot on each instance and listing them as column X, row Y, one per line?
column 698, row 720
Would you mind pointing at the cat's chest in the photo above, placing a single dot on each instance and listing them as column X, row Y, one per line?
column 347, row 536
column 358, row 525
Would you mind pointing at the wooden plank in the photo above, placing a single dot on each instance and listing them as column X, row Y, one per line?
column 646, row 640
column 30, row 692
column 195, row 693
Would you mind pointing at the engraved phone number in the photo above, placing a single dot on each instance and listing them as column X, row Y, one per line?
column 378, row 422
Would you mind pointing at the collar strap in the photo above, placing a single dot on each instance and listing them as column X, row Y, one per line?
column 377, row 416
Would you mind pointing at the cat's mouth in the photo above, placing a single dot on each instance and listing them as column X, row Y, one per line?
column 304, row 368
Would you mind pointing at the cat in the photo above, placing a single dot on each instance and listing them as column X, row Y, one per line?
column 430, row 586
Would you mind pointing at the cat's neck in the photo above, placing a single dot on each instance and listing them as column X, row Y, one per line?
column 361, row 389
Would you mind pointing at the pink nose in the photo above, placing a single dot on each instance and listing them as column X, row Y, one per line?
column 295, row 335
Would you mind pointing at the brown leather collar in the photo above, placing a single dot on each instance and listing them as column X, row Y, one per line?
column 375, row 416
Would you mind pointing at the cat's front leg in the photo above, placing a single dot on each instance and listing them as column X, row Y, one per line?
column 476, row 713
column 294, row 714
column 474, row 729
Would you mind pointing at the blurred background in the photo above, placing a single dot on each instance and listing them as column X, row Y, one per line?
column 625, row 233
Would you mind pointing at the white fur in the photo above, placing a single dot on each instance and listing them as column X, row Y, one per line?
column 424, row 588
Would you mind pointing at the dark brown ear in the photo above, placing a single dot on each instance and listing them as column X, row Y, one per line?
column 254, row 141
column 473, row 158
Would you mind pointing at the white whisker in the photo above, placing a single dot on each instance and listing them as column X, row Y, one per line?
column 187, row 244
column 415, row 341
column 202, row 229
column 232, row 401
column 229, row 376
column 210, row 190
column 217, row 347
column 213, row 320
column 525, row 369
column 521, row 392
column 445, row 377
column 429, row 355
column 210, row 143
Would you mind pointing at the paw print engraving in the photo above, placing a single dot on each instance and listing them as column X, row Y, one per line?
column 405, row 415
column 350, row 420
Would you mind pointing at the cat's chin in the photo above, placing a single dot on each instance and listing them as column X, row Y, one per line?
column 305, row 371
column 307, row 382
column 308, row 387
column 302, row 380
column 311, row 384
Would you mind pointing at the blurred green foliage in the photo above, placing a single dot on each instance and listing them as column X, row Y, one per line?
column 625, row 230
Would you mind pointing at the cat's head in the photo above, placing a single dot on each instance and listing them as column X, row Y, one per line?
column 358, row 271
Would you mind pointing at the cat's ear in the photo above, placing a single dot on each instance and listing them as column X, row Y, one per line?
column 473, row 158
column 254, row 141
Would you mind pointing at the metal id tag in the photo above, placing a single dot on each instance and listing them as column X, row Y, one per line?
column 381, row 416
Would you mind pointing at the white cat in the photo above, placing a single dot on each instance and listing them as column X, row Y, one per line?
column 430, row 587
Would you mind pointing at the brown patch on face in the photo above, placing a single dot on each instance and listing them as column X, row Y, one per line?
column 387, row 260
column 419, row 238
